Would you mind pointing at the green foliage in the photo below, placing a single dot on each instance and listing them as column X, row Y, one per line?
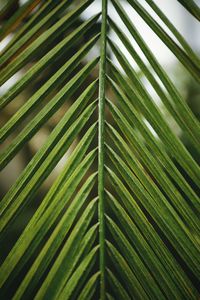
column 121, row 220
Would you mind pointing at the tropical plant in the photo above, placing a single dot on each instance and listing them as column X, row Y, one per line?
column 121, row 221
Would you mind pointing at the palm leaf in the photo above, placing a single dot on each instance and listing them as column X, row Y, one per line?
column 121, row 220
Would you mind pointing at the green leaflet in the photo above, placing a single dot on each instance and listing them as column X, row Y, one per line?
column 148, row 184
column 45, row 113
column 117, row 287
column 124, row 270
column 48, row 164
column 45, row 38
column 58, row 282
column 56, row 239
column 109, row 297
column 33, row 20
column 54, row 82
column 173, row 29
column 39, row 229
column 41, row 155
column 19, row 43
column 155, row 118
column 143, row 235
column 33, row 72
column 89, row 289
column 182, row 56
column 137, row 266
column 120, row 220
column 79, row 275
column 153, row 143
column 179, row 110
column 169, row 217
column 192, row 7
column 19, row 15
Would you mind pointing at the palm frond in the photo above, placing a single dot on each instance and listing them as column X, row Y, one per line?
column 121, row 219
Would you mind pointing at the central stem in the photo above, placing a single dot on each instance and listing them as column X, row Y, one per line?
column 101, row 154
